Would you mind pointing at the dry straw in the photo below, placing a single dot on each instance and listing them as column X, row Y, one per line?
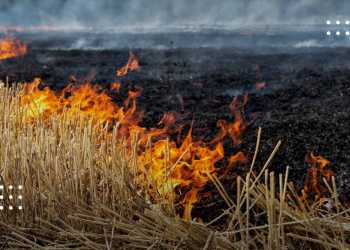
column 80, row 192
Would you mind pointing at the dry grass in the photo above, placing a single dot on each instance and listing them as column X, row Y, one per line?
column 80, row 192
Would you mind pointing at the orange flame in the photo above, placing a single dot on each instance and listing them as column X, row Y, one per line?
column 236, row 128
column 164, row 165
column 86, row 101
column 131, row 65
column 10, row 48
column 115, row 86
column 316, row 172
column 38, row 103
column 187, row 166
column 317, row 160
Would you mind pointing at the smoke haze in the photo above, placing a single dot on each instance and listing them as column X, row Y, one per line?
column 156, row 13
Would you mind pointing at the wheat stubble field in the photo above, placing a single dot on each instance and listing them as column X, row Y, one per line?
column 95, row 175
column 86, row 187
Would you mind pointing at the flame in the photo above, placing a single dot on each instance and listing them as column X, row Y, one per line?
column 115, row 86
column 10, row 48
column 237, row 127
column 131, row 65
column 317, row 161
column 164, row 165
column 85, row 101
column 38, row 103
column 316, row 171
column 187, row 166
column 167, row 164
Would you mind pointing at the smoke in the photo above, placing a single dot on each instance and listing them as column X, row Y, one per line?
column 156, row 13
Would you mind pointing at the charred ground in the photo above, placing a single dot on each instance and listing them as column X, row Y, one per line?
column 306, row 101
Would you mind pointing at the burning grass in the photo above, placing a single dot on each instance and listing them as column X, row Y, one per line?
column 163, row 165
column 10, row 48
column 94, row 178
column 104, row 182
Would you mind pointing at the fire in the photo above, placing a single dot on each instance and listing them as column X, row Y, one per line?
column 115, row 86
column 317, row 161
column 10, row 48
column 164, row 165
column 188, row 166
column 131, row 65
column 316, row 172
column 86, row 101
column 237, row 127
column 38, row 103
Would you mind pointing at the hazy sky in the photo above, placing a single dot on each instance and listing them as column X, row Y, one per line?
column 115, row 13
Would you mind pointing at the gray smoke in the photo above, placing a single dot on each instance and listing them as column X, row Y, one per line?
column 155, row 13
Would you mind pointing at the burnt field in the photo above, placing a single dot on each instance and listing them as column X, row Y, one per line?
column 305, row 101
